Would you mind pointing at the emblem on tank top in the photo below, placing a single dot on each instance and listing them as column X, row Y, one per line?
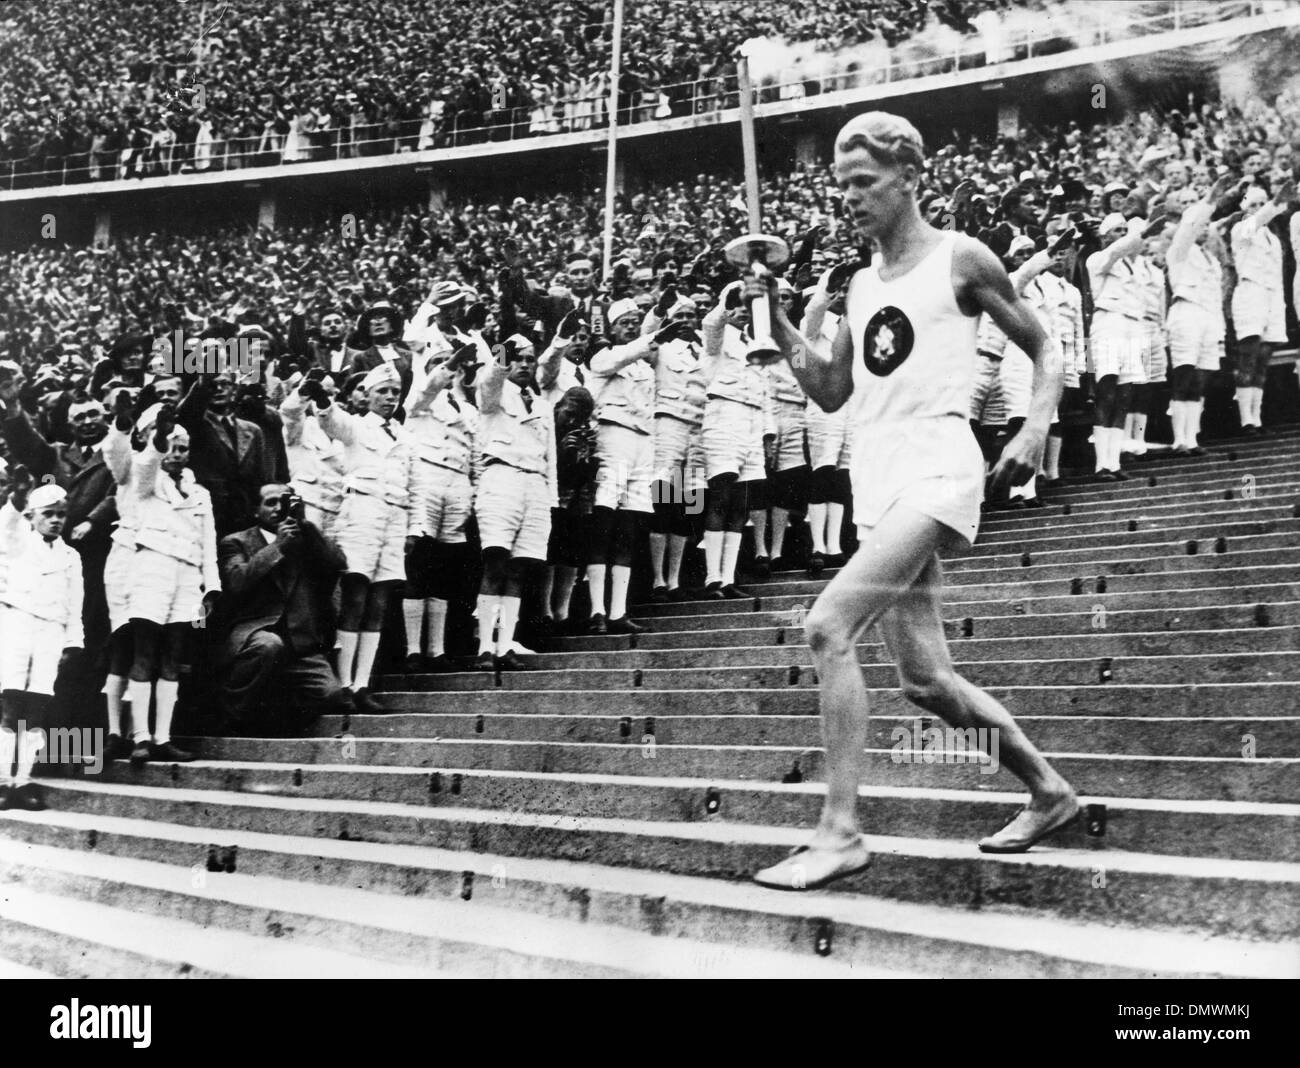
column 887, row 341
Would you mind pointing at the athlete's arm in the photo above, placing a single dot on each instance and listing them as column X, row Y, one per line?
column 982, row 285
column 827, row 380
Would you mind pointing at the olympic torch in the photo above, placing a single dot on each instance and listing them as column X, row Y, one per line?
column 758, row 252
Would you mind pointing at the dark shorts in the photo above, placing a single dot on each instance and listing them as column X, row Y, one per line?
column 570, row 542
column 420, row 564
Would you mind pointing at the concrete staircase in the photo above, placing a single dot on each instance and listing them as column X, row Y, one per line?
column 599, row 816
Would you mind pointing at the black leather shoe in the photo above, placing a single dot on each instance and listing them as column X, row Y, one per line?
column 1017, row 505
column 1105, row 476
column 762, row 567
column 732, row 592
column 441, row 664
column 816, row 564
column 6, row 797
column 598, row 625
column 659, row 595
column 141, row 753
column 680, row 594
column 511, row 662
column 365, row 704
column 29, row 796
column 1120, row 476
column 415, row 664
column 713, row 592
column 625, row 626
column 484, row 662
column 116, row 748
column 1034, row 502
column 170, row 753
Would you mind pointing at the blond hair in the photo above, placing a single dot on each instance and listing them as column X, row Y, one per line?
column 890, row 139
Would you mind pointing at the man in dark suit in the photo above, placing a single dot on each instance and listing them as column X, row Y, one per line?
column 228, row 455
column 277, row 578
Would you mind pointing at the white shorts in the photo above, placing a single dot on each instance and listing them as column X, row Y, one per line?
column 733, row 440
column 29, row 652
column 446, row 497
column 321, row 500
column 672, row 446
column 372, row 534
column 514, row 511
column 321, row 519
column 1017, row 374
column 627, row 467
column 696, row 470
column 830, row 437
column 1258, row 310
column 931, row 465
column 790, row 436
column 1195, row 336
column 987, row 401
column 1118, row 346
column 119, row 576
column 1156, row 353
column 164, row 590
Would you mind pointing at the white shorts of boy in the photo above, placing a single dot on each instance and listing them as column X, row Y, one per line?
column 1017, row 376
column 789, row 436
column 119, row 578
column 830, row 437
column 672, row 447
column 987, row 401
column 163, row 589
column 627, row 468
column 445, row 498
column 1195, row 336
column 29, row 651
column 371, row 531
column 514, row 511
column 1258, row 310
column 1118, row 346
column 733, row 440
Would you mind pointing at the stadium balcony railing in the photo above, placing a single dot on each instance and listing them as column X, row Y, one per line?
column 834, row 73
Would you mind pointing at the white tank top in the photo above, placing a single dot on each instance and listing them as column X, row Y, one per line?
column 913, row 347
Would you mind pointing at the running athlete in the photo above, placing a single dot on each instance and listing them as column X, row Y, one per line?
column 905, row 357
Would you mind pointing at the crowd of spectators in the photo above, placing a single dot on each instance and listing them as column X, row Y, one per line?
column 93, row 91
column 354, row 325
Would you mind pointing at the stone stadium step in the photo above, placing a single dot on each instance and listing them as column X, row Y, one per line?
column 750, row 628
column 851, row 928
column 1003, row 524
column 389, row 935
column 77, row 937
column 1234, row 898
column 1127, row 500
column 797, row 671
column 1211, row 513
column 763, row 648
column 1253, row 830
column 1225, row 571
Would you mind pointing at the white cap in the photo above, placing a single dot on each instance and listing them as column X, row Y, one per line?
column 682, row 304
column 1019, row 244
column 621, row 308
column 382, row 375
column 1113, row 221
column 1153, row 155
column 46, row 496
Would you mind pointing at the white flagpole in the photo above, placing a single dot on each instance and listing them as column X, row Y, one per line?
column 611, row 161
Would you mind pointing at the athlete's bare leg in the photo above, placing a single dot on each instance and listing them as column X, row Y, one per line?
column 913, row 633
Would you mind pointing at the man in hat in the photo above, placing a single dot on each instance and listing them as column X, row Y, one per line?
column 1258, row 304
column 379, row 337
column 377, row 521
column 40, row 623
column 1150, row 183
column 327, row 346
column 517, row 488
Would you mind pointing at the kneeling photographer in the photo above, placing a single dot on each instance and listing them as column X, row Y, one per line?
column 278, row 578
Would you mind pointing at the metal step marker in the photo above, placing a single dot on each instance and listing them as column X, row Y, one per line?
column 1132, row 526
column 968, row 627
column 1105, row 669
column 1193, row 547
column 1095, row 821
column 1151, row 480
column 637, row 677
column 794, row 775
column 456, row 780
column 1066, row 508
column 1262, row 618
column 823, row 938
column 1025, row 559
column 466, row 885
column 1101, row 583
column 297, row 776
column 1221, row 545
column 712, row 801
column 625, row 727
column 478, row 724
column 649, row 726
column 435, row 783
column 780, row 635
column 793, row 675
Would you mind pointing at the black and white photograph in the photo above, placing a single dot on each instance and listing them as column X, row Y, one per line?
column 650, row 489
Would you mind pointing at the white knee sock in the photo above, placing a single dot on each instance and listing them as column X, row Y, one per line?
column 413, row 614
column 1101, row 447
column 29, row 744
column 658, row 546
column 488, row 606
column 141, row 694
column 1244, row 404
column 713, row 556
column 730, row 554
column 1138, row 427
column 1116, row 446
column 834, row 524
column 1194, row 421
column 676, row 549
column 367, row 647
column 164, row 699
column 1257, row 405
column 619, row 579
column 817, row 527
column 347, row 640
column 1052, row 458
column 435, row 611
column 758, row 520
column 8, row 750
column 780, row 522
column 114, row 688
column 506, row 628
column 596, row 587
